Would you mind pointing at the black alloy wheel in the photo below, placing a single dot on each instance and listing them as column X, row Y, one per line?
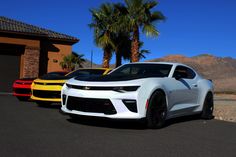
column 157, row 110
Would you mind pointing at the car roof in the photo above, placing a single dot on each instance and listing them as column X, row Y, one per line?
column 170, row 63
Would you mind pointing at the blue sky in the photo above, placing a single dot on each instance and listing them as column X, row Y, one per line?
column 192, row 27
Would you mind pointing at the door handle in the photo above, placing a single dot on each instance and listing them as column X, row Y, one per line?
column 194, row 85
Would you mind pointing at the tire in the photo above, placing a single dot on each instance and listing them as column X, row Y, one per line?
column 208, row 107
column 43, row 103
column 23, row 98
column 157, row 111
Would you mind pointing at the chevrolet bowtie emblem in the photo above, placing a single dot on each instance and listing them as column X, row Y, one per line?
column 86, row 88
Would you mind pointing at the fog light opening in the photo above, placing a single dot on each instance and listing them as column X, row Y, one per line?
column 131, row 105
column 63, row 99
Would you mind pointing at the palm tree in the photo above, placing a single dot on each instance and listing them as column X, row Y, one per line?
column 139, row 16
column 80, row 60
column 102, row 20
column 70, row 61
column 121, row 35
column 127, row 54
column 122, row 44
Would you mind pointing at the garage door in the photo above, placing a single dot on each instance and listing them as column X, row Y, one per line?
column 9, row 71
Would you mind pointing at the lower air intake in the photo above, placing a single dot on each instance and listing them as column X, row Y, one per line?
column 90, row 105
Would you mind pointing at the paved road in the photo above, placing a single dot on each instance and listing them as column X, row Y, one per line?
column 27, row 130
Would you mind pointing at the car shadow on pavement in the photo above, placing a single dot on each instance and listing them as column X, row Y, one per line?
column 126, row 124
column 108, row 123
column 50, row 106
column 183, row 119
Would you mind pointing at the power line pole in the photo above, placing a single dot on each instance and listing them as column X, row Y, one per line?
column 91, row 59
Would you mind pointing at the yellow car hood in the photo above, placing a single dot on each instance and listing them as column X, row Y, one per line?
column 49, row 81
column 52, row 85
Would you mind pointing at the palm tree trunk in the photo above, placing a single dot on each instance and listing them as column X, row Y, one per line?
column 106, row 58
column 135, row 45
column 118, row 59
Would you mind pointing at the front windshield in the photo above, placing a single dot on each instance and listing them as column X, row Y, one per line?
column 53, row 75
column 86, row 72
column 150, row 70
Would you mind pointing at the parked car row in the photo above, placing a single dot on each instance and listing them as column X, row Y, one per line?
column 47, row 88
column 152, row 92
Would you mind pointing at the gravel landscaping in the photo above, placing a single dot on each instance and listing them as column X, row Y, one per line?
column 225, row 107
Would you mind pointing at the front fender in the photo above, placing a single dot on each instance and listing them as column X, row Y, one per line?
column 205, row 86
column 146, row 90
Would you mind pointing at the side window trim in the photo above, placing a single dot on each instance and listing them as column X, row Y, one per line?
column 193, row 74
column 190, row 73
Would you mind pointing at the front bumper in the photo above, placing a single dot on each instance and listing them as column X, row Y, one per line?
column 45, row 99
column 91, row 98
column 46, row 94
column 21, row 90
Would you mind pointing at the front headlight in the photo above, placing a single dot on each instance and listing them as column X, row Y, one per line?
column 123, row 89
column 68, row 85
column 61, row 84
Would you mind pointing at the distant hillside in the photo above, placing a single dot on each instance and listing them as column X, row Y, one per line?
column 87, row 64
column 221, row 70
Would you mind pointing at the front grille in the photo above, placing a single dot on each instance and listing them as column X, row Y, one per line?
column 47, row 94
column 54, row 84
column 90, row 105
column 22, row 91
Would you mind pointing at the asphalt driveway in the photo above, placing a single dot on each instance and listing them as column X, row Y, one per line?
column 28, row 130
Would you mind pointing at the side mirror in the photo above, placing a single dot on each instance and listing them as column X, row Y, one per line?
column 177, row 76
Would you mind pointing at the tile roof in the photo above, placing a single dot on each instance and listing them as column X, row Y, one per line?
column 13, row 26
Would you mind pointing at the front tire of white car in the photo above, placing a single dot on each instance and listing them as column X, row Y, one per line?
column 208, row 107
column 156, row 111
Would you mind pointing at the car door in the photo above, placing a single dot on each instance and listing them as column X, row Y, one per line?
column 183, row 95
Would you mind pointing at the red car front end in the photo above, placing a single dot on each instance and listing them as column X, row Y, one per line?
column 22, row 88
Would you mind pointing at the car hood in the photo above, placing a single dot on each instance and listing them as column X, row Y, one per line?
column 49, row 81
column 53, row 77
column 112, row 78
column 135, row 82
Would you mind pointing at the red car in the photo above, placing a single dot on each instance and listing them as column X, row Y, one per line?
column 22, row 88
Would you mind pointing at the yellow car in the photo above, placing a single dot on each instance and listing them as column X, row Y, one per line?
column 47, row 89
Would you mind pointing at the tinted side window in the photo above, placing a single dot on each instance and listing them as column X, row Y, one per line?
column 150, row 70
column 184, row 72
column 191, row 73
column 86, row 72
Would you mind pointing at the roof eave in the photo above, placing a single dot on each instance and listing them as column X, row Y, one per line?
column 73, row 41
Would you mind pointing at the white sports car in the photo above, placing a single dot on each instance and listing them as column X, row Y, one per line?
column 151, row 91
